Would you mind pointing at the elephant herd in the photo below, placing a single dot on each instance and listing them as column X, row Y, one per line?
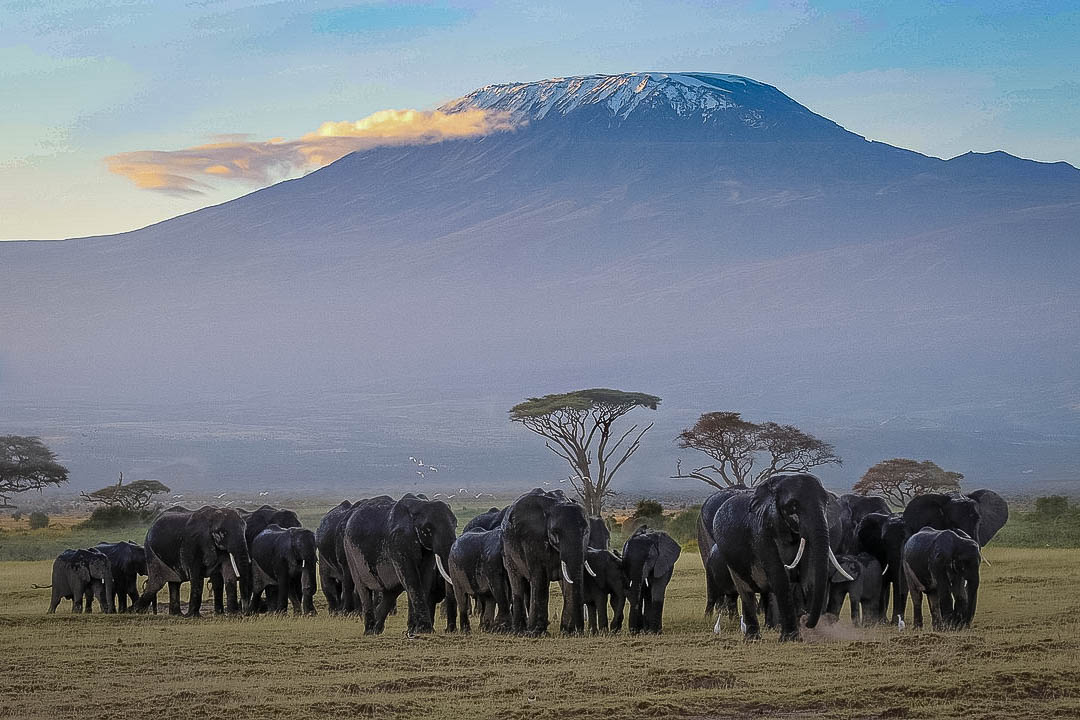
column 368, row 553
column 801, row 551
column 788, row 544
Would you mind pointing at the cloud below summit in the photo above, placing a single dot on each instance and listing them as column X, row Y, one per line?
column 190, row 171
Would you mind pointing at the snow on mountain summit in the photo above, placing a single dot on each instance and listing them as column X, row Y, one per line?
column 733, row 104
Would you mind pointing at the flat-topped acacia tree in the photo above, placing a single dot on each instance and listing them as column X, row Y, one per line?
column 572, row 422
column 27, row 464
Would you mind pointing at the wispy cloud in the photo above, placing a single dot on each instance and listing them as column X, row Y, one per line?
column 189, row 171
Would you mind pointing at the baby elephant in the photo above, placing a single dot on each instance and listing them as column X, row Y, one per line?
column 943, row 564
column 648, row 561
column 79, row 575
column 475, row 565
column 127, row 561
column 285, row 558
column 864, row 591
column 603, row 581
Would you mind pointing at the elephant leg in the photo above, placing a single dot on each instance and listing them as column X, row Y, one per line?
column 517, row 608
column 781, row 594
column 195, row 595
column 751, row 629
column 916, row 608
column 88, row 599
column 490, row 608
column 174, row 598
column 900, row 592
column 501, row 601
column 855, row 602
column 232, row 602
column 618, row 605
column 599, row 617
column 330, row 586
column 654, row 618
column 349, row 592
column 463, row 609
column 367, row 609
column 217, row 586
column 937, row 619
column 386, row 604
column 281, row 604
column 55, row 600
column 77, row 599
column 538, row 604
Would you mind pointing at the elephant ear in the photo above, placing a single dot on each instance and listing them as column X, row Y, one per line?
column 764, row 492
column 993, row 514
column 667, row 552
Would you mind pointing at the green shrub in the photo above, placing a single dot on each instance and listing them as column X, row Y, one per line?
column 17, row 515
column 114, row 517
column 683, row 525
column 1051, row 506
column 38, row 520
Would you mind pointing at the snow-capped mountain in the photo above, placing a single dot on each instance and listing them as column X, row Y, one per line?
column 700, row 237
column 709, row 102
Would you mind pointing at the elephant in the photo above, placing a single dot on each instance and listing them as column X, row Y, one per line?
column 943, row 565
column 883, row 535
column 853, row 508
column 864, row 592
column 993, row 514
column 285, row 558
column 648, row 561
column 718, row 587
column 486, row 521
column 334, row 575
column 604, row 583
column 79, row 575
column 943, row 511
column 544, row 539
column 599, row 535
column 188, row 546
column 477, row 572
column 763, row 536
column 127, row 561
column 394, row 546
column 256, row 521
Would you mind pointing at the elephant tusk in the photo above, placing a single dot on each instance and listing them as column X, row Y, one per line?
column 589, row 569
column 798, row 555
column 646, row 581
column 303, row 564
column 836, row 564
column 236, row 570
column 886, row 569
column 985, row 561
column 442, row 570
column 566, row 574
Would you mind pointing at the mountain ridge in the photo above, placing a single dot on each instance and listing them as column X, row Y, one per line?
column 814, row 278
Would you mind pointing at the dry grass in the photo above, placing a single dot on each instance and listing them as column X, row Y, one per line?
column 1022, row 659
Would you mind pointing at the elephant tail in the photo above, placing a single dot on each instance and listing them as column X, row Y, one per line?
column 41, row 587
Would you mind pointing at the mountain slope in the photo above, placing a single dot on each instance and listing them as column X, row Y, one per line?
column 654, row 238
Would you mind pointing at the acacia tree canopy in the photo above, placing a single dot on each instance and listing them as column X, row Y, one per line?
column 133, row 496
column 572, row 421
column 27, row 464
column 736, row 446
column 901, row 479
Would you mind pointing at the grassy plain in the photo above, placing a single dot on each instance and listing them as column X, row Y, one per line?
column 1021, row 659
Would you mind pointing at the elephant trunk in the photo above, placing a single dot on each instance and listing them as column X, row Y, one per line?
column 441, row 549
column 817, row 565
column 572, row 570
column 972, row 599
column 240, row 564
column 107, row 605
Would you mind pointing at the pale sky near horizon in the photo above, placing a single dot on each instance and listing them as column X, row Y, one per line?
column 82, row 81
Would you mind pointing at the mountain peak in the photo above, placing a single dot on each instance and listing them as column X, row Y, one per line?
column 720, row 104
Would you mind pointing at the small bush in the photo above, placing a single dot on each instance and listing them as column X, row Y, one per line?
column 38, row 520
column 17, row 515
column 683, row 525
column 1051, row 506
column 114, row 517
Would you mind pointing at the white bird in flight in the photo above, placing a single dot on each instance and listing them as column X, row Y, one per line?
column 177, row 496
column 264, row 494
column 221, row 496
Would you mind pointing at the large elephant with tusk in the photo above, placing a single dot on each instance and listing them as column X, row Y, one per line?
column 544, row 540
column 773, row 538
column 398, row 546
column 189, row 546
column 883, row 535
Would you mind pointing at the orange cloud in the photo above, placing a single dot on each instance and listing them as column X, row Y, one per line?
column 183, row 172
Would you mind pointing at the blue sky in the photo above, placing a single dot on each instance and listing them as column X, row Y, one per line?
column 81, row 81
